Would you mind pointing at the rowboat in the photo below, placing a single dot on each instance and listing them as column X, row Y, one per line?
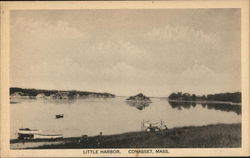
column 47, row 136
column 26, row 133
column 59, row 116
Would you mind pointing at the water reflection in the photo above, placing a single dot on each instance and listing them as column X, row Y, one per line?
column 14, row 102
column 225, row 107
column 138, row 105
column 182, row 105
column 58, row 101
column 216, row 106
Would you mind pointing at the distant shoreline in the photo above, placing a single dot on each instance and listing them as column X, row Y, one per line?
column 16, row 92
column 229, row 98
column 209, row 136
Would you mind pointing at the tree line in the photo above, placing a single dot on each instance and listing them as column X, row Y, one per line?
column 35, row 92
column 222, row 97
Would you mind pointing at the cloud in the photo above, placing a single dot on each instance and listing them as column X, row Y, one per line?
column 64, row 52
column 199, row 78
column 41, row 29
column 38, row 41
column 182, row 44
column 105, row 54
column 182, row 34
column 198, row 72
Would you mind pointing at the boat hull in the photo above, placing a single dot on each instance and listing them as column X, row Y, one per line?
column 27, row 131
column 48, row 136
column 36, row 134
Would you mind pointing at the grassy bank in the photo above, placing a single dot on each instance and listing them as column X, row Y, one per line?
column 211, row 136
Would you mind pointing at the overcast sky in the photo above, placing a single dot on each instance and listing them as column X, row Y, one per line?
column 126, row 52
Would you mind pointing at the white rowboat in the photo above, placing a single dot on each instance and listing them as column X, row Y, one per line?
column 48, row 136
column 26, row 133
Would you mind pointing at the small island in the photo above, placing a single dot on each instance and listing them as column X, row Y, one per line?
column 139, row 98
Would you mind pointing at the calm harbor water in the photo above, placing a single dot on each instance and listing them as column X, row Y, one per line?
column 113, row 115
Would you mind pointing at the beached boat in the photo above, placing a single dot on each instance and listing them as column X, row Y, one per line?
column 26, row 133
column 47, row 136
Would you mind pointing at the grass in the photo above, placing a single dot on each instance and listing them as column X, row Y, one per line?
column 211, row 136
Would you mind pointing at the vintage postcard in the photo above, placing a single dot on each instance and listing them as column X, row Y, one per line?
column 125, row 79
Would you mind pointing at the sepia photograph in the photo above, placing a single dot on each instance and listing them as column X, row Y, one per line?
column 148, row 80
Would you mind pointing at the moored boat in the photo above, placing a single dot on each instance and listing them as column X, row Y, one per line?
column 59, row 116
